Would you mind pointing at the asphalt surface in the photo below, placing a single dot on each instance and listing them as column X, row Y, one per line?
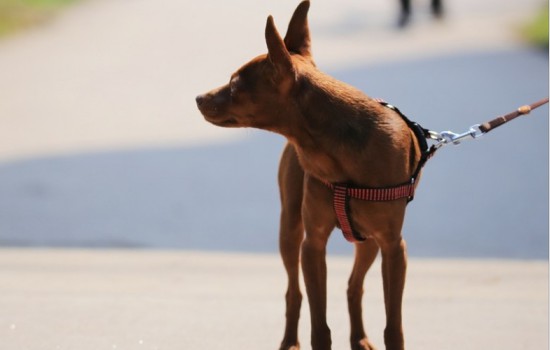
column 128, row 299
column 127, row 222
column 486, row 198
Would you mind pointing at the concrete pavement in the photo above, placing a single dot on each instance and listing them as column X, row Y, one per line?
column 80, row 95
column 165, row 300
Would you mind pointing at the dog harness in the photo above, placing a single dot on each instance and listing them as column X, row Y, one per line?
column 343, row 192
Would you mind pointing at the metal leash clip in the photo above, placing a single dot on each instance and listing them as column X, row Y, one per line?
column 447, row 137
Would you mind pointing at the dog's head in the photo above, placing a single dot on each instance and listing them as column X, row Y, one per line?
column 257, row 94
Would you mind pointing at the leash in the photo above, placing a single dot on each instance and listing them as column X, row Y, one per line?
column 343, row 192
column 476, row 131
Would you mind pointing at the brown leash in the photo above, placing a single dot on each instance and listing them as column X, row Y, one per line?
column 523, row 110
column 478, row 130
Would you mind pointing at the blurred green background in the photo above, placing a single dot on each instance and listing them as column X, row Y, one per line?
column 19, row 14
column 536, row 31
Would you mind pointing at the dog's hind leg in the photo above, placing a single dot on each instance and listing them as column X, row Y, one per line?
column 394, row 267
column 365, row 254
column 291, row 235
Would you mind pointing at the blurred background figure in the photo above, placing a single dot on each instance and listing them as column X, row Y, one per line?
column 405, row 15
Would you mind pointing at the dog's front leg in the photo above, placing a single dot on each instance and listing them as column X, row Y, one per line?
column 394, row 268
column 315, row 275
column 291, row 235
column 317, row 213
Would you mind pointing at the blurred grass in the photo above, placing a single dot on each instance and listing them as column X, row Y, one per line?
column 19, row 14
column 536, row 31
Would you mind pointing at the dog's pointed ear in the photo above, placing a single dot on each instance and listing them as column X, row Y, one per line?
column 277, row 51
column 297, row 37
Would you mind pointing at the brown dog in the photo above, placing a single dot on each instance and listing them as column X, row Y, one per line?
column 336, row 134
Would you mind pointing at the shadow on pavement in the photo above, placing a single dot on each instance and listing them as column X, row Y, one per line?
column 487, row 198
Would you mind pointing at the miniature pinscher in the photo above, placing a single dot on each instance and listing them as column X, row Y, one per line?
column 336, row 135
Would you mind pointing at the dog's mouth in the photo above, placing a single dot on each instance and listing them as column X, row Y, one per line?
column 213, row 113
column 220, row 120
column 227, row 122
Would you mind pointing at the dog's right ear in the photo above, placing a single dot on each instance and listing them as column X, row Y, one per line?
column 297, row 37
column 277, row 51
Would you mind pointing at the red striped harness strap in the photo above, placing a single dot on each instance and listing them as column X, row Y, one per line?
column 343, row 192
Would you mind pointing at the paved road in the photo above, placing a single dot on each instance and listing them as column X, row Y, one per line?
column 483, row 199
column 134, row 300
column 101, row 146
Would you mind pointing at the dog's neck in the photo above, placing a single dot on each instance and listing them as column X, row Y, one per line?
column 339, row 132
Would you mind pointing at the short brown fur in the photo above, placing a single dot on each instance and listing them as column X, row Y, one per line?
column 336, row 134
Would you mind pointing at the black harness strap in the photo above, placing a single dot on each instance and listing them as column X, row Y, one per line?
column 421, row 134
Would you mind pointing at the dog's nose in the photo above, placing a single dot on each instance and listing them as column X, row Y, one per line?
column 200, row 100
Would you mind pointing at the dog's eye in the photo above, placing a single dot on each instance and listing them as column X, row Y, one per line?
column 234, row 85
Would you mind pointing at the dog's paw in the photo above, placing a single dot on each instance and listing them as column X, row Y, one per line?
column 364, row 344
column 293, row 347
column 289, row 346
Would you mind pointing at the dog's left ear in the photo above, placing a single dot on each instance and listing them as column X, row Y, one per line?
column 297, row 37
column 277, row 51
